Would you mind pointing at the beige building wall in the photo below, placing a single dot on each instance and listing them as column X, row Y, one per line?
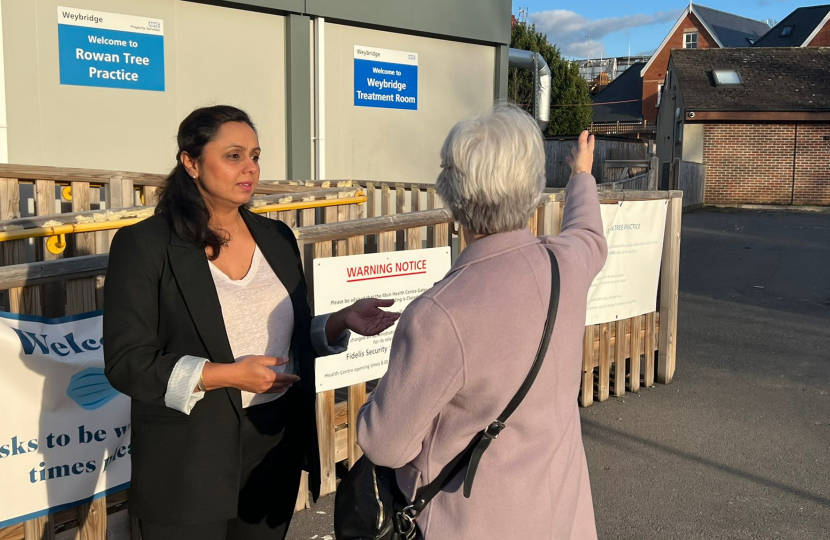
column 693, row 142
column 212, row 55
column 455, row 80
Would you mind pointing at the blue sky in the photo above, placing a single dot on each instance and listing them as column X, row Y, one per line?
column 613, row 24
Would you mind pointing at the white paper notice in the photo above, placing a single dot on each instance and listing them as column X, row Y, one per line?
column 627, row 285
column 340, row 281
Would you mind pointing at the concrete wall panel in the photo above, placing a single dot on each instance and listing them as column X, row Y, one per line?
column 455, row 80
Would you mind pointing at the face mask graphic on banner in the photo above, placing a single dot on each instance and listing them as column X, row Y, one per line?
column 64, row 430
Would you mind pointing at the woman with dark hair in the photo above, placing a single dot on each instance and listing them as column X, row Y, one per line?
column 208, row 329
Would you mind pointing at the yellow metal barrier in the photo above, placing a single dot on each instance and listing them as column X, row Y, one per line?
column 75, row 228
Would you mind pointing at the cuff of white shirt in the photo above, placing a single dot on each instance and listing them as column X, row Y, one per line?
column 184, row 378
column 320, row 340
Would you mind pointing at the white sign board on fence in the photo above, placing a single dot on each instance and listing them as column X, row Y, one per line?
column 64, row 431
column 340, row 281
column 627, row 285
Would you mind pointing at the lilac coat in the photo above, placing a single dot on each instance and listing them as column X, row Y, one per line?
column 459, row 354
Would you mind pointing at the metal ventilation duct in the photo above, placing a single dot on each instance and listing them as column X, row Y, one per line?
column 541, row 82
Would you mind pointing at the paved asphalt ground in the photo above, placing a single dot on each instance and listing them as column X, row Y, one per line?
column 738, row 446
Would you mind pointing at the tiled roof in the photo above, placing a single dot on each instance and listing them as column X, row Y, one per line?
column 803, row 21
column 773, row 79
column 731, row 30
column 622, row 100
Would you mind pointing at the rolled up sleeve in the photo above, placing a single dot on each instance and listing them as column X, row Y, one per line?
column 184, row 378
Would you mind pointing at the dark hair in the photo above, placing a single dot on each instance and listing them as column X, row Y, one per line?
column 180, row 201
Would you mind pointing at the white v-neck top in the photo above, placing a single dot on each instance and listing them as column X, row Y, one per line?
column 259, row 317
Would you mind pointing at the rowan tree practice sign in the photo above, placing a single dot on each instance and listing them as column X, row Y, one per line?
column 110, row 50
column 385, row 78
column 340, row 281
column 627, row 285
column 64, row 431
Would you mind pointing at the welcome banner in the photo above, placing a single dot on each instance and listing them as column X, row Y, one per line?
column 64, row 431
column 627, row 285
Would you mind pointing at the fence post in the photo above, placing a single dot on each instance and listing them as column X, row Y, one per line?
column 669, row 282
column 556, row 209
column 307, row 218
column 53, row 295
column 325, row 400
column 604, row 362
column 437, row 235
column 371, row 197
column 357, row 392
column 619, row 357
column 40, row 528
column 674, row 174
column 653, row 173
column 649, row 349
column 586, row 396
column 120, row 194
column 19, row 299
column 635, row 329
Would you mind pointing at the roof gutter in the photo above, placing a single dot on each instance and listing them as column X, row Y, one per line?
column 696, row 109
column 534, row 61
column 698, row 115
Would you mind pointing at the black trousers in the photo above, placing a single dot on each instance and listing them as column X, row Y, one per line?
column 271, row 471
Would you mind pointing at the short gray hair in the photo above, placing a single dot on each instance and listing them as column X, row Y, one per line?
column 493, row 170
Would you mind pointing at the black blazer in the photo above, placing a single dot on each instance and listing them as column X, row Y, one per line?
column 160, row 304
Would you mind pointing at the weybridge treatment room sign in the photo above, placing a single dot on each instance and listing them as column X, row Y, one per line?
column 385, row 78
column 340, row 281
column 110, row 50
column 64, row 431
column 627, row 284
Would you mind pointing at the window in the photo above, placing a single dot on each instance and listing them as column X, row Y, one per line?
column 659, row 93
column 690, row 40
column 787, row 31
column 727, row 77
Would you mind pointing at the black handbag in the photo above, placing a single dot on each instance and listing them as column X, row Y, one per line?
column 369, row 505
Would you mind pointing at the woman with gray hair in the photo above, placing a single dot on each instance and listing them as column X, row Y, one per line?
column 462, row 350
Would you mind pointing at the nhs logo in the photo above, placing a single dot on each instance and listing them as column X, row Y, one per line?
column 154, row 24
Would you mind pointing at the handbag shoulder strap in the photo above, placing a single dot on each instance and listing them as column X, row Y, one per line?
column 553, row 306
column 471, row 455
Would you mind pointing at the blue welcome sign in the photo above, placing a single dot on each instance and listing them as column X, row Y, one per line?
column 385, row 78
column 110, row 50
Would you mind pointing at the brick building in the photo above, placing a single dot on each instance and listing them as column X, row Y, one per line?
column 759, row 118
column 804, row 27
column 698, row 27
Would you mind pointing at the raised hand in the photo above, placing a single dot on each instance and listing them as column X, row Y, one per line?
column 582, row 155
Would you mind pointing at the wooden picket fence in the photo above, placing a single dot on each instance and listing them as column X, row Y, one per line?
column 620, row 170
column 625, row 354
column 646, row 350
column 690, row 178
